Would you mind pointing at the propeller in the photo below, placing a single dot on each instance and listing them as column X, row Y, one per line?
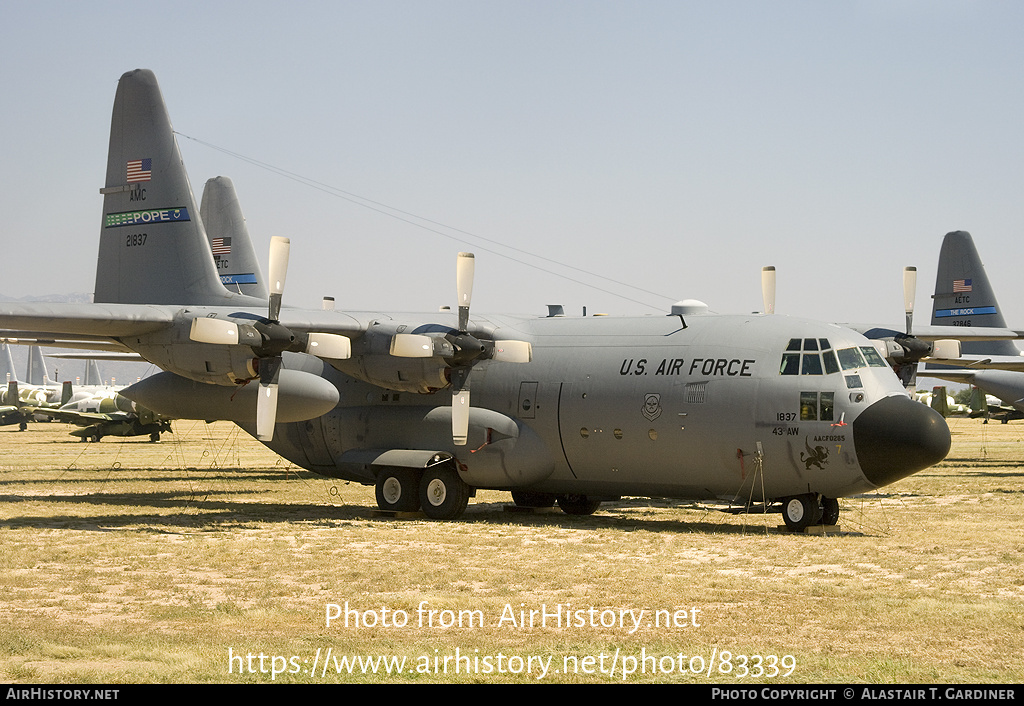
column 277, row 339
column 460, row 349
column 768, row 289
column 913, row 348
column 468, row 350
column 269, row 339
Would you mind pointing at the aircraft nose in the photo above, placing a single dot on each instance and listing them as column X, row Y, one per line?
column 896, row 437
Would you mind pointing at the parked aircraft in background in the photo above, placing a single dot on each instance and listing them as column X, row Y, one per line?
column 100, row 410
column 760, row 410
column 964, row 297
column 107, row 413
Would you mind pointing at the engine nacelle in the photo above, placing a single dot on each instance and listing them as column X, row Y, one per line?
column 373, row 362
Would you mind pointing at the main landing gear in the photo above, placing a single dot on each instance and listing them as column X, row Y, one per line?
column 802, row 511
column 438, row 491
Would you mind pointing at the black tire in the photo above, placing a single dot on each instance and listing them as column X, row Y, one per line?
column 800, row 512
column 443, row 494
column 578, row 504
column 829, row 511
column 524, row 498
column 398, row 490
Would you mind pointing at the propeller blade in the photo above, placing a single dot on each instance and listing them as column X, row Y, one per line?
column 280, row 249
column 329, row 345
column 464, row 269
column 266, row 412
column 909, row 294
column 411, row 345
column 460, row 406
column 217, row 331
column 768, row 289
column 460, row 416
column 513, row 351
column 266, row 401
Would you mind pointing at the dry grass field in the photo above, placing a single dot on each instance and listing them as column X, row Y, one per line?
column 205, row 558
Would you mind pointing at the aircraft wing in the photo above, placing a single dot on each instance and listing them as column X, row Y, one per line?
column 81, row 321
column 940, row 333
column 100, row 326
column 101, row 350
column 978, row 362
column 80, row 418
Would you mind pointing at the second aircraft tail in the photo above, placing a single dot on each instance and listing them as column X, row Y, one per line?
column 964, row 296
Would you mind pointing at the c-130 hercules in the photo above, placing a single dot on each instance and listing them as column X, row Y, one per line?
column 757, row 409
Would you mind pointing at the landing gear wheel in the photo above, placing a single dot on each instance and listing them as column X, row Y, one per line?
column 526, row 499
column 829, row 511
column 443, row 495
column 578, row 504
column 801, row 512
column 398, row 490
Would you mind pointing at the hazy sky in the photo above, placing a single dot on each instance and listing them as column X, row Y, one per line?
column 673, row 146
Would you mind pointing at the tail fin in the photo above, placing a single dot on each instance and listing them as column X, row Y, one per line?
column 36, row 373
column 7, row 363
column 232, row 249
column 153, row 248
column 963, row 295
column 92, row 373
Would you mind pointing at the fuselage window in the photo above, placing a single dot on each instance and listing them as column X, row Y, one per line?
column 828, row 405
column 808, row 406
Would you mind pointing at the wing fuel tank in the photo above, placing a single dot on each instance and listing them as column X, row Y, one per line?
column 301, row 396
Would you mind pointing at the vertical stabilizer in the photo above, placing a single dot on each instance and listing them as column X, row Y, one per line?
column 92, row 373
column 230, row 244
column 153, row 249
column 37, row 373
column 964, row 297
column 7, row 373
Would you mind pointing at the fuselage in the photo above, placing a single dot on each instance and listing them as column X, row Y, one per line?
column 689, row 407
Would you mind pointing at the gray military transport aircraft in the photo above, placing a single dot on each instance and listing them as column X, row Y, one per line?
column 757, row 409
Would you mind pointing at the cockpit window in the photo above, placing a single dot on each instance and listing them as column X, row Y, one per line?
column 831, row 364
column 790, row 364
column 811, row 364
column 802, row 358
column 874, row 358
column 851, row 359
